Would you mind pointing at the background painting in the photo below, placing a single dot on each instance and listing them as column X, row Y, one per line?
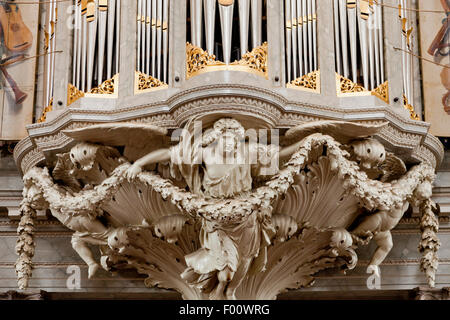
column 19, row 24
column 435, row 45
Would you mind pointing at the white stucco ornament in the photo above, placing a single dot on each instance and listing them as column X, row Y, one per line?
column 221, row 214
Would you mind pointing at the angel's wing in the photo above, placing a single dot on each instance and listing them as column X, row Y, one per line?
column 62, row 172
column 138, row 139
column 342, row 131
column 393, row 168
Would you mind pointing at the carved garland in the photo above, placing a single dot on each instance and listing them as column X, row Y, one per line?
column 429, row 243
column 25, row 243
column 372, row 194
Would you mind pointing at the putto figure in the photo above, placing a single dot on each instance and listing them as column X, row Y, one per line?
column 219, row 164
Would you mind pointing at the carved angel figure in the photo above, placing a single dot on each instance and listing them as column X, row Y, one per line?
column 218, row 162
column 222, row 210
column 378, row 225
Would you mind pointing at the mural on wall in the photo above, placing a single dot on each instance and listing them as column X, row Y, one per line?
column 435, row 44
column 18, row 27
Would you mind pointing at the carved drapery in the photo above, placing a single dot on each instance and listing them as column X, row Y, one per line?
column 298, row 220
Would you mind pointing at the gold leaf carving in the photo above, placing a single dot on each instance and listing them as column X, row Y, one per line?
column 255, row 59
column 198, row 60
column 382, row 92
column 46, row 110
column 107, row 87
column 309, row 82
column 144, row 82
column 348, row 86
column 73, row 94
column 409, row 107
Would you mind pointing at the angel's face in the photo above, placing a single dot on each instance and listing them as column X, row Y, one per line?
column 369, row 153
column 83, row 156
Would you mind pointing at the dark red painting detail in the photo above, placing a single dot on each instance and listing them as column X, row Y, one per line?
column 15, row 39
column 440, row 48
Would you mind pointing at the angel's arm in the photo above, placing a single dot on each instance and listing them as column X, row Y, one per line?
column 160, row 155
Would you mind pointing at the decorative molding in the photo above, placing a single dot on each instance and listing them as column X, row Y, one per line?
column 432, row 294
column 402, row 133
column 14, row 295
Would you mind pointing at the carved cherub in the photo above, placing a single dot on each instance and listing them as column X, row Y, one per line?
column 378, row 225
column 88, row 230
column 86, row 164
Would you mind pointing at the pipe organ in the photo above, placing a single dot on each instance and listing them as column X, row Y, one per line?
column 152, row 44
column 95, row 44
column 49, row 49
column 407, row 46
column 232, row 35
column 301, row 38
column 359, row 48
column 212, row 27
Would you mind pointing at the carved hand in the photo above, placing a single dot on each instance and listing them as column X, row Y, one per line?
column 133, row 171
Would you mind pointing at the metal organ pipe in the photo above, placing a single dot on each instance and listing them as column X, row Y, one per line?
column 210, row 22
column 300, row 22
column 226, row 19
column 111, row 23
column 102, row 16
column 256, row 7
column 294, row 36
column 244, row 15
column 337, row 40
column 148, row 28
column 165, row 31
column 288, row 22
